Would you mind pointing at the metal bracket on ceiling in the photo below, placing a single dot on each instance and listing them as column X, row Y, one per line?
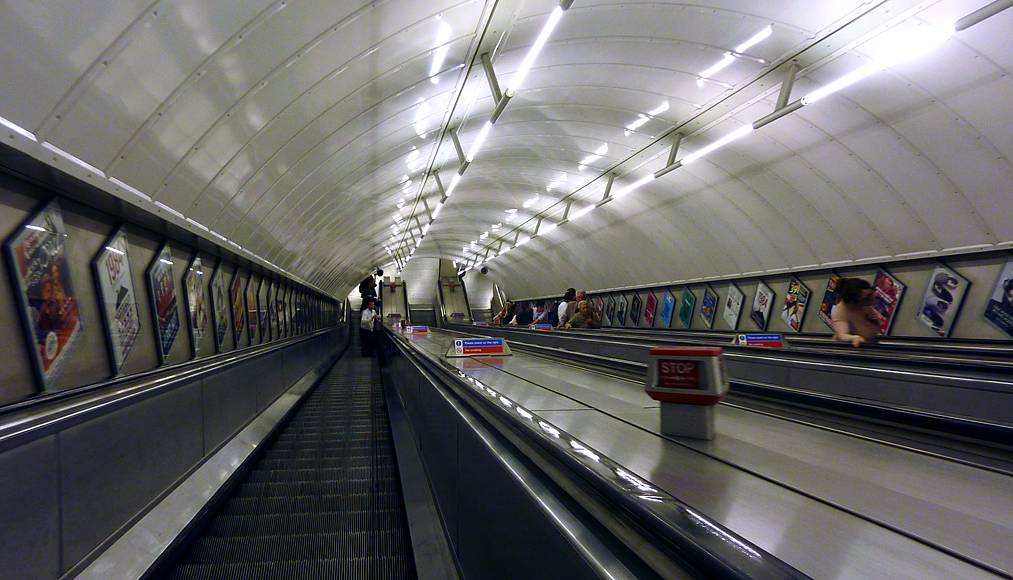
column 671, row 165
column 538, row 225
column 429, row 212
column 566, row 212
column 786, row 86
column 439, row 185
column 517, row 236
column 608, row 187
column 783, row 107
column 490, row 74
column 457, row 146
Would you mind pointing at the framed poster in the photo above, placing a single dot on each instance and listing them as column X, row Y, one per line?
column 238, row 313
column 219, row 306
column 252, row 316
column 598, row 305
column 37, row 258
column 686, row 307
column 610, row 310
column 667, row 308
column 887, row 292
column 197, row 316
column 733, row 306
column 117, row 298
column 942, row 299
column 762, row 303
column 999, row 310
column 830, row 299
column 271, row 324
column 621, row 314
column 709, row 306
column 650, row 306
column 265, row 329
column 279, row 306
column 162, row 291
column 795, row 301
column 635, row 309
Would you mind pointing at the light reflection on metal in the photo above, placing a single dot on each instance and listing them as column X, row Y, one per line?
column 724, row 535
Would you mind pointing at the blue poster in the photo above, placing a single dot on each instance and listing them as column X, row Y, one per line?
column 667, row 307
column 709, row 306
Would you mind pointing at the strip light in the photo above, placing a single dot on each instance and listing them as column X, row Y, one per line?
column 735, row 135
column 478, row 142
column 529, row 60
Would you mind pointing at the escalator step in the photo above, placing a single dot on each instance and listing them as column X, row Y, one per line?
column 280, row 524
column 362, row 568
column 309, row 504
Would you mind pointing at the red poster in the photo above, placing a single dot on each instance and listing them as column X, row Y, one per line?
column 37, row 254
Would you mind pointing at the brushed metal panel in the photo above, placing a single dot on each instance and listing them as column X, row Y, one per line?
column 437, row 429
column 30, row 511
column 114, row 465
column 229, row 400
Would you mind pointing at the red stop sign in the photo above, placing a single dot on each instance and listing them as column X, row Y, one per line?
column 684, row 374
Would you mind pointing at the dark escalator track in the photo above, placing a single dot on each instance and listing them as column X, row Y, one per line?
column 324, row 501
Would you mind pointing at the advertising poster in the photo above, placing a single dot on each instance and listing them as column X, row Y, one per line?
column 610, row 310
column 667, row 308
column 686, row 308
column 709, row 306
column 117, row 299
column 193, row 286
column 272, row 312
column 279, row 306
column 795, row 302
column 252, row 316
column 999, row 310
column 238, row 313
column 219, row 306
column 942, row 299
column 37, row 256
column 162, row 290
column 762, row 303
column 650, row 306
column 887, row 292
column 830, row 299
column 622, row 310
column 262, row 291
column 733, row 306
column 635, row 309
column 598, row 306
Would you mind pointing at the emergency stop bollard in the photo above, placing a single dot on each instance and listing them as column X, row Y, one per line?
column 689, row 382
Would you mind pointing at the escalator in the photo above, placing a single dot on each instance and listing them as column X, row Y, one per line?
column 323, row 501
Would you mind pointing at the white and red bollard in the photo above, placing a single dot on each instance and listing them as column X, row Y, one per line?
column 689, row 382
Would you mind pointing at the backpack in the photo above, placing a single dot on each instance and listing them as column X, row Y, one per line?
column 554, row 314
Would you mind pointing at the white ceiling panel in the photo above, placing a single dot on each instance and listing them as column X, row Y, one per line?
column 288, row 127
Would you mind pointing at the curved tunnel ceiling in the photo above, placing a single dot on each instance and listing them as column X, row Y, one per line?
column 311, row 132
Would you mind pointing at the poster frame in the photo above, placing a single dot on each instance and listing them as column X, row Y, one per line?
column 238, row 307
column 220, row 306
column 621, row 310
column 754, row 312
column 635, row 307
column 161, row 333
column 796, row 288
column 995, row 306
column 48, row 211
column 931, row 290
column 737, row 310
column 667, row 308
column 886, row 322
column 252, row 316
column 686, row 306
column 830, row 299
column 708, row 318
column 196, row 339
column 650, row 308
column 117, row 358
column 610, row 309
